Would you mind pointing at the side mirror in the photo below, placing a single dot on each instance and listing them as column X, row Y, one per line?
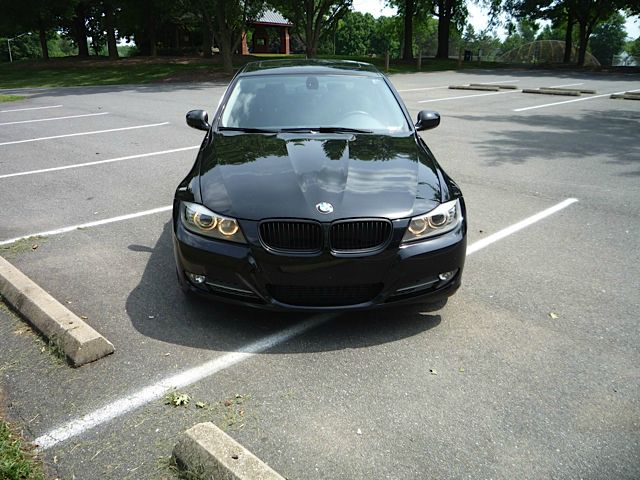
column 198, row 119
column 427, row 120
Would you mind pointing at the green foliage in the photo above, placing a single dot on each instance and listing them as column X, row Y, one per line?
column 353, row 34
column 608, row 39
column 633, row 47
column 11, row 98
column 525, row 32
column 26, row 46
column 16, row 462
column 313, row 20
column 386, row 36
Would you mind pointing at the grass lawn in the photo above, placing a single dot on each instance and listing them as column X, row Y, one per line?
column 10, row 98
column 71, row 71
column 16, row 460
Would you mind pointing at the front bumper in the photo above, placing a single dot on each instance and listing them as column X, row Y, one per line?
column 250, row 275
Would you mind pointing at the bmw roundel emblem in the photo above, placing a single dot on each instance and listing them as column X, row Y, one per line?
column 324, row 207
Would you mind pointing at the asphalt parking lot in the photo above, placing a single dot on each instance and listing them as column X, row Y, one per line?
column 532, row 370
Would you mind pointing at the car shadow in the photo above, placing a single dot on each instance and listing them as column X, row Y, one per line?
column 158, row 309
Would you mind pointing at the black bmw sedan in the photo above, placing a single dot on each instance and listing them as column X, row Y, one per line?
column 312, row 190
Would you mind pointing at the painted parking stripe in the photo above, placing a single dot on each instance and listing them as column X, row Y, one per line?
column 421, row 89
column 480, row 244
column 447, row 86
column 468, row 96
column 31, row 108
column 575, row 100
column 97, row 223
column 566, row 85
column 98, row 162
column 55, row 118
column 183, row 379
column 84, row 133
column 190, row 376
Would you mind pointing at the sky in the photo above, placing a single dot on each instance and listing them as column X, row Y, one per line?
column 477, row 16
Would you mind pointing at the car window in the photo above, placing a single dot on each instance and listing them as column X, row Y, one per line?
column 299, row 101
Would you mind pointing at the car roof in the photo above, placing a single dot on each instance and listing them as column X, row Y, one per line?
column 306, row 66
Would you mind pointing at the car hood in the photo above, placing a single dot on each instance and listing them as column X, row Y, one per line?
column 257, row 176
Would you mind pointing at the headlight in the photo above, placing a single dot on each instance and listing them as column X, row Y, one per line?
column 440, row 220
column 200, row 219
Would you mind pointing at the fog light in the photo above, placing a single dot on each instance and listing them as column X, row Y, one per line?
column 446, row 276
column 195, row 278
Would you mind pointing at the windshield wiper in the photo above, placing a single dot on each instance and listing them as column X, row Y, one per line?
column 247, row 130
column 326, row 130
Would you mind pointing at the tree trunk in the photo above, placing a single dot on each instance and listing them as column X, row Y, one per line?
column 80, row 31
column 43, row 39
column 568, row 38
column 444, row 23
column 582, row 48
column 227, row 54
column 310, row 47
column 407, row 47
column 207, row 36
column 111, row 33
column 151, row 34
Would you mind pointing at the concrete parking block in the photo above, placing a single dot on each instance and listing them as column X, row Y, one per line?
column 207, row 451
column 625, row 96
column 501, row 87
column 483, row 88
column 549, row 91
column 81, row 343
column 487, row 88
column 579, row 90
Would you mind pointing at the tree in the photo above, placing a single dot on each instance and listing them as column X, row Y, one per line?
column 608, row 38
column 41, row 16
column 385, row 36
column 448, row 12
column 229, row 20
column 353, row 34
column 633, row 47
column 313, row 19
column 589, row 13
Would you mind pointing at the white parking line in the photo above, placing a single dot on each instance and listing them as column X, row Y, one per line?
column 180, row 380
column 55, row 118
column 500, row 81
column 447, row 86
column 124, row 405
column 105, row 221
column 480, row 244
column 420, row 89
column 83, row 133
column 565, row 85
column 31, row 108
column 468, row 96
column 575, row 100
column 98, row 162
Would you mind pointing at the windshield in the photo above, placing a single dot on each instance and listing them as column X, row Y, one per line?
column 281, row 102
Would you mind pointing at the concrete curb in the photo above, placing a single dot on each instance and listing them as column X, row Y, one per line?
column 206, row 450
column 546, row 91
column 484, row 88
column 500, row 87
column 81, row 343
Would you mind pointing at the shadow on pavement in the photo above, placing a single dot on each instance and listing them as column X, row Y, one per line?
column 612, row 134
column 205, row 324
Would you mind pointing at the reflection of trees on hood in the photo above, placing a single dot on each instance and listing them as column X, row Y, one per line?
column 239, row 149
column 334, row 149
column 382, row 147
